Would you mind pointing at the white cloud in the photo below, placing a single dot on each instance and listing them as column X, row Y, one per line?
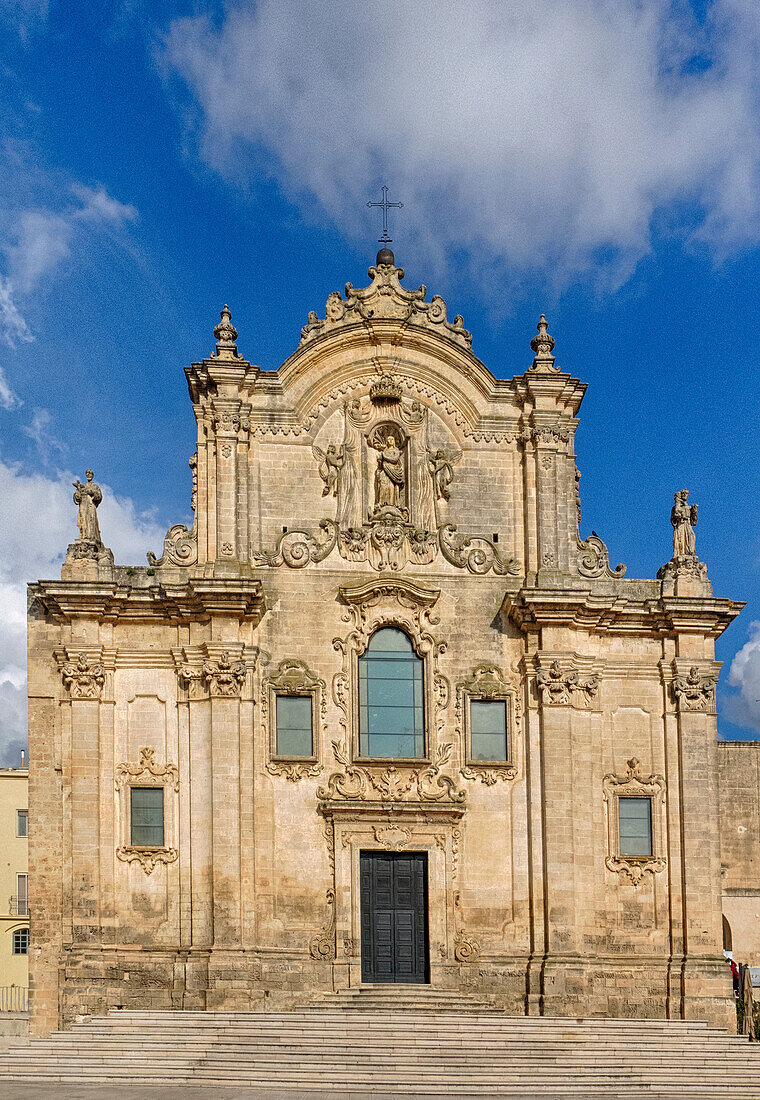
column 8, row 399
column 37, row 522
column 13, row 327
column 543, row 137
column 38, row 239
column 39, row 430
column 744, row 708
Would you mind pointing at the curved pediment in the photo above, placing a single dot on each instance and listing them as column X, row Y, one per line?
column 386, row 299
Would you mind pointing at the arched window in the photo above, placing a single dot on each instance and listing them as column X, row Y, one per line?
column 728, row 944
column 391, row 710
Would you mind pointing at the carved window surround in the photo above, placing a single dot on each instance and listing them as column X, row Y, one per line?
column 487, row 683
column 407, row 606
column 634, row 784
column 147, row 773
column 294, row 678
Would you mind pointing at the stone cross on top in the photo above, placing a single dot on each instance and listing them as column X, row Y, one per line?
column 386, row 206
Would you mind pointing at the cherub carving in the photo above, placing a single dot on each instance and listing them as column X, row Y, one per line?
column 330, row 465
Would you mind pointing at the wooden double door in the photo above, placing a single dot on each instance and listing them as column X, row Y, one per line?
column 394, row 917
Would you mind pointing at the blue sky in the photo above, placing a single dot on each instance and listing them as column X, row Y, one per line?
column 598, row 161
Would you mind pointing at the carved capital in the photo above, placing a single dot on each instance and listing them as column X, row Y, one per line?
column 223, row 678
column 695, row 691
column 85, row 679
column 560, row 687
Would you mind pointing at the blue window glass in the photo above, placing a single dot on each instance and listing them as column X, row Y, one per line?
column 294, row 725
column 147, row 817
column 488, row 729
column 391, row 710
column 635, row 821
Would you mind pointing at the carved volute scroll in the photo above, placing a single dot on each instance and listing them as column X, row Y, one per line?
column 634, row 784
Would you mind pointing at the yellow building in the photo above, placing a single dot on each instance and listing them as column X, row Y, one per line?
column 14, row 896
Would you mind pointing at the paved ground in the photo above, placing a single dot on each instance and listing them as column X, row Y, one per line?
column 10, row 1091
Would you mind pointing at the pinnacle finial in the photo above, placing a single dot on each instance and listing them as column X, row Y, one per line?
column 543, row 345
column 226, row 335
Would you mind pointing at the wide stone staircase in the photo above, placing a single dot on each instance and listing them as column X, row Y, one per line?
column 390, row 1042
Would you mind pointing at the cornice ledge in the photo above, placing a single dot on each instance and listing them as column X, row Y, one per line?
column 67, row 600
column 399, row 588
column 531, row 608
column 360, row 810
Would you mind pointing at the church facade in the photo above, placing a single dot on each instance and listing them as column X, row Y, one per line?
column 380, row 714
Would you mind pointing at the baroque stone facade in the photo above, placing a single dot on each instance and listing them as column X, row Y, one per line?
column 381, row 480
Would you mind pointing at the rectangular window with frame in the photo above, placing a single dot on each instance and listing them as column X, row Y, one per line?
column 147, row 817
column 635, row 827
column 22, row 894
column 294, row 725
column 488, row 730
column 22, row 823
column 21, row 941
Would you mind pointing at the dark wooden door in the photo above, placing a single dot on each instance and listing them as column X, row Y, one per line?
column 394, row 917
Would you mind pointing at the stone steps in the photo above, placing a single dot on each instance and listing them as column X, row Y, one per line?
column 368, row 1043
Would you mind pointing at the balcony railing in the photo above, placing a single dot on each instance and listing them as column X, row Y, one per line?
column 18, row 906
column 14, row 998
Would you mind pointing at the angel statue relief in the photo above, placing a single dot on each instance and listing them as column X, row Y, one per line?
column 441, row 473
column 683, row 516
column 88, row 496
column 390, row 477
column 330, row 465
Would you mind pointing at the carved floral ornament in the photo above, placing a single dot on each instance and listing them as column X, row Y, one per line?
column 634, row 784
column 146, row 772
column 487, row 682
column 560, row 686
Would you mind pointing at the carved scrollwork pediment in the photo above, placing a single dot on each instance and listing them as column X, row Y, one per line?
column 391, row 784
column 386, row 299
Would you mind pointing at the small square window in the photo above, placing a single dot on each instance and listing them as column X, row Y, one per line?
column 294, row 725
column 147, row 817
column 21, row 941
column 635, row 826
column 488, row 730
column 22, row 823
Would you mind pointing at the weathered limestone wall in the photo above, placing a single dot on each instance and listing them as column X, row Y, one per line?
column 739, row 786
column 166, row 676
